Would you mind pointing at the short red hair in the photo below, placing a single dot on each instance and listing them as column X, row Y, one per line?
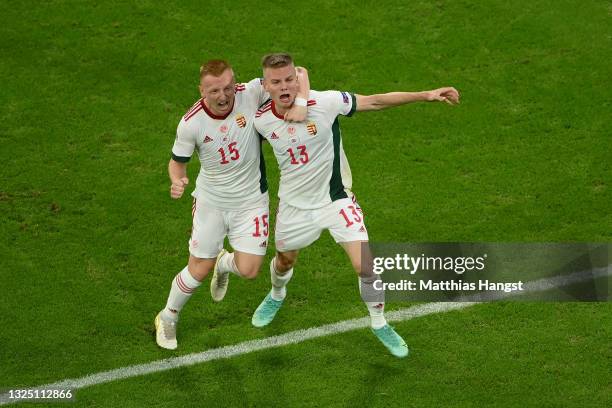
column 214, row 67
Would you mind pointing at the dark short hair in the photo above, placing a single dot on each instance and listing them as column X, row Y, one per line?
column 278, row 60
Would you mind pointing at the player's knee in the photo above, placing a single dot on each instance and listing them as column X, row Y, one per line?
column 199, row 268
column 249, row 272
column 284, row 263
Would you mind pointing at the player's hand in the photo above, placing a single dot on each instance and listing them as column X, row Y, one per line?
column 178, row 187
column 449, row 95
column 296, row 114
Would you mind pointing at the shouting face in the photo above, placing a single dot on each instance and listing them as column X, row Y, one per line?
column 282, row 85
column 219, row 92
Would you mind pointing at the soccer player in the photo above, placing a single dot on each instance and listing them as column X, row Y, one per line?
column 231, row 194
column 315, row 184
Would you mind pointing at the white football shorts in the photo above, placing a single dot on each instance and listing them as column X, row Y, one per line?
column 247, row 230
column 296, row 228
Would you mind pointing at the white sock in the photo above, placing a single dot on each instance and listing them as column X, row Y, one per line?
column 226, row 264
column 279, row 282
column 183, row 286
column 374, row 301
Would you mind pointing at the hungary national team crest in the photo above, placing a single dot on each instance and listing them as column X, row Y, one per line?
column 241, row 120
column 312, row 128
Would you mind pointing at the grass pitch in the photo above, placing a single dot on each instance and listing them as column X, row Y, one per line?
column 91, row 94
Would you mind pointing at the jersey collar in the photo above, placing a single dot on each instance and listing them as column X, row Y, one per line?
column 212, row 115
column 278, row 115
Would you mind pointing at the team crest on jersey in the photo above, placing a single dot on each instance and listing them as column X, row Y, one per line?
column 223, row 129
column 312, row 128
column 274, row 136
column 208, row 139
column 291, row 130
column 241, row 120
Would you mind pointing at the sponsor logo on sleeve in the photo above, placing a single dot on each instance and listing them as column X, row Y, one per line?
column 345, row 97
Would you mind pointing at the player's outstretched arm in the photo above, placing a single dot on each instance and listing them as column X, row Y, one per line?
column 388, row 100
column 178, row 177
column 298, row 113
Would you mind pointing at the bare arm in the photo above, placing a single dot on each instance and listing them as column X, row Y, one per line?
column 299, row 113
column 303, row 81
column 388, row 100
column 178, row 177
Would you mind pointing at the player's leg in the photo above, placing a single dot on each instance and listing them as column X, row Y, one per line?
column 294, row 230
column 346, row 225
column 205, row 243
column 281, row 271
column 184, row 285
column 360, row 257
column 248, row 234
column 239, row 263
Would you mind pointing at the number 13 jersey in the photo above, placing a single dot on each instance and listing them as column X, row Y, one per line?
column 314, row 170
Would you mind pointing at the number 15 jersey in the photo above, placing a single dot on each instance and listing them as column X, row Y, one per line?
column 314, row 170
column 232, row 174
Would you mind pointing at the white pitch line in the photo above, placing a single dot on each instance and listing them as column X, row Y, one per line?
column 299, row 336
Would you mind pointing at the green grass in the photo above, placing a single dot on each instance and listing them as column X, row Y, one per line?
column 91, row 94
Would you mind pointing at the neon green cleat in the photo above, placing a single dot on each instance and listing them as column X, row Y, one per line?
column 219, row 281
column 266, row 311
column 392, row 341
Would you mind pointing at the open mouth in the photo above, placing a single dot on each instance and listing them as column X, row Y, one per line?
column 285, row 98
column 223, row 105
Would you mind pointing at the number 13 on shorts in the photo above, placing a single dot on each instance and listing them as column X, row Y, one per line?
column 351, row 214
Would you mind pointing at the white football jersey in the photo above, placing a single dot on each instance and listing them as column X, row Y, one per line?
column 314, row 170
column 232, row 173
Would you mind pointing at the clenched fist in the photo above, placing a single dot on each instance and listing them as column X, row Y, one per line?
column 178, row 187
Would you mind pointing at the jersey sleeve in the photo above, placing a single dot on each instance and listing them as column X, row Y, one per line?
column 339, row 103
column 259, row 128
column 255, row 88
column 185, row 142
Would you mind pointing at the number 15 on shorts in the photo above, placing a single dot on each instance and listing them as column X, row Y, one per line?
column 261, row 226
